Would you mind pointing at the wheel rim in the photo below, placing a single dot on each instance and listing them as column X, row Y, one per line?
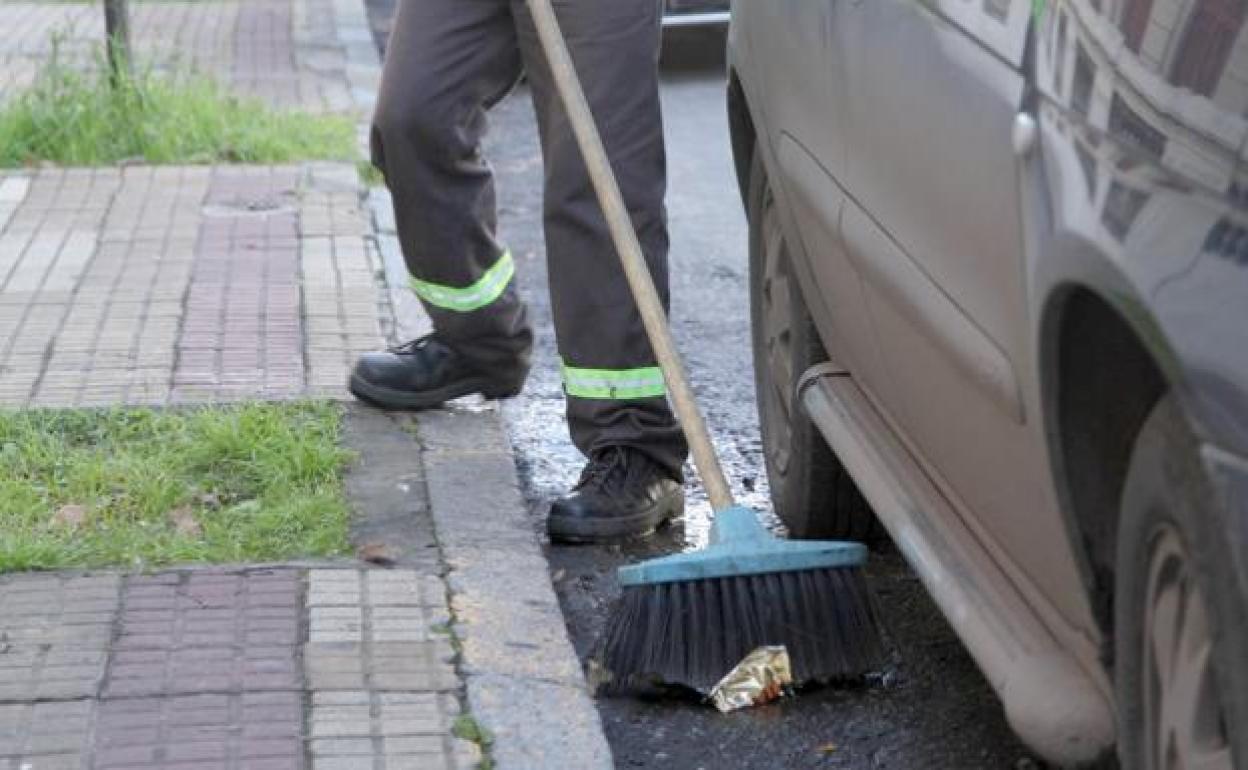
column 777, row 317
column 1184, row 724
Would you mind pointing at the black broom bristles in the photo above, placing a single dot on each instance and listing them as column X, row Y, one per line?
column 692, row 633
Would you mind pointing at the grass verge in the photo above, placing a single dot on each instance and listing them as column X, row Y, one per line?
column 78, row 117
column 141, row 487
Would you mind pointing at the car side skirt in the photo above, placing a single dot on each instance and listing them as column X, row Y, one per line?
column 1052, row 702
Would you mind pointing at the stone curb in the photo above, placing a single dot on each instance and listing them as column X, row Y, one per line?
column 410, row 319
column 523, row 679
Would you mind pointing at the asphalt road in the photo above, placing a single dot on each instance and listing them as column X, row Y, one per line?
column 931, row 707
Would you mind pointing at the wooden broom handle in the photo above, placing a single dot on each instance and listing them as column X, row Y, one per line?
column 631, row 257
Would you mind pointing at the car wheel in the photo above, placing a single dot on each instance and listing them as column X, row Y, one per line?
column 1180, row 616
column 813, row 494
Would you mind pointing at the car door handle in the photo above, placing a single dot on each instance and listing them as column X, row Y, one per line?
column 1023, row 136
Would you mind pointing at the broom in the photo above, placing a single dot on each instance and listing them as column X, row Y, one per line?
column 688, row 619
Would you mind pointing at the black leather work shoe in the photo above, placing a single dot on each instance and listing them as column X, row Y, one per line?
column 621, row 494
column 425, row 373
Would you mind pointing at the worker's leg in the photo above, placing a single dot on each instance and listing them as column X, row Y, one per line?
column 446, row 63
column 615, row 393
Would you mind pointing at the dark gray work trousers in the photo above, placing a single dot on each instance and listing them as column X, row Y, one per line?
column 447, row 62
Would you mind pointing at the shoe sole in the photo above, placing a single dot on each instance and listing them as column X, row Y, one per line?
column 599, row 531
column 389, row 398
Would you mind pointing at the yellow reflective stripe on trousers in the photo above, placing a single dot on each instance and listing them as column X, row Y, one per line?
column 487, row 288
column 618, row 384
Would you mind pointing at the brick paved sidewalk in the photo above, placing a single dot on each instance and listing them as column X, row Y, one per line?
column 316, row 55
column 261, row 668
column 164, row 285
column 171, row 285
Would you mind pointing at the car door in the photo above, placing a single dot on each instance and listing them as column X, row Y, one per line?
column 932, row 224
column 803, row 98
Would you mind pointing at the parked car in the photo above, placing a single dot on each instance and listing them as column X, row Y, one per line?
column 695, row 13
column 999, row 265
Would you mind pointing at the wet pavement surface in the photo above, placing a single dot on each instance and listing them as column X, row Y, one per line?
column 930, row 708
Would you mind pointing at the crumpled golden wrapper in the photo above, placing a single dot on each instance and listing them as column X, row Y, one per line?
column 762, row 676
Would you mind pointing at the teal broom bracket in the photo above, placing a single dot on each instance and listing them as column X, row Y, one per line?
column 741, row 546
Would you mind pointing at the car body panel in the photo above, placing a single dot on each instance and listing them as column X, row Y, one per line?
column 1148, row 177
column 937, row 245
column 817, row 204
column 933, row 223
column 798, row 160
column 1000, row 26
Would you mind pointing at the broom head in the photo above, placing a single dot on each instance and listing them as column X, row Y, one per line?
column 688, row 619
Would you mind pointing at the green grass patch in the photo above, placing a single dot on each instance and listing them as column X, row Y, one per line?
column 78, row 117
column 370, row 175
column 142, row 488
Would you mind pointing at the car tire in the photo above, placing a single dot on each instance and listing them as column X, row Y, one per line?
column 812, row 492
column 1181, row 616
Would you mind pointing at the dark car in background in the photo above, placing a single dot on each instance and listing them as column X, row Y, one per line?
column 999, row 277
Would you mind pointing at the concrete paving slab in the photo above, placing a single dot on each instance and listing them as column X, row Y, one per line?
column 45, row 734
column 387, row 489
column 355, row 728
column 229, row 731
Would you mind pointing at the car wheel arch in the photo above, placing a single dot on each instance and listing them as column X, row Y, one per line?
column 1103, row 368
column 741, row 132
